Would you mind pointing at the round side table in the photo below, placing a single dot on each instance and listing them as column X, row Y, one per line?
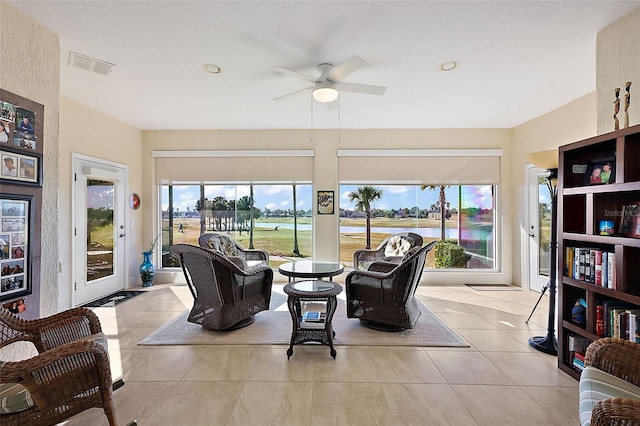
column 312, row 325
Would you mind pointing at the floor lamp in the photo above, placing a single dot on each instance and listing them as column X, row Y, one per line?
column 549, row 160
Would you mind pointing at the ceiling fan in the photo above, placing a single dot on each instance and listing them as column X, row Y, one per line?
column 329, row 83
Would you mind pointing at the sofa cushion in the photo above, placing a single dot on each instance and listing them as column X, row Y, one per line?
column 596, row 385
column 397, row 246
column 14, row 398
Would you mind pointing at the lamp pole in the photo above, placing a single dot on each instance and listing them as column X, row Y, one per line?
column 549, row 344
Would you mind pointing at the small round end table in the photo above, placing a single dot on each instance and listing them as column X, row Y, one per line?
column 316, row 327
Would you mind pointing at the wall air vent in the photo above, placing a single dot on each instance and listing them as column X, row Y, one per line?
column 90, row 64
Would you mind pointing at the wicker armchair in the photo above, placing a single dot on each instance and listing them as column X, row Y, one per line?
column 230, row 248
column 383, row 296
column 70, row 374
column 621, row 359
column 227, row 293
column 392, row 249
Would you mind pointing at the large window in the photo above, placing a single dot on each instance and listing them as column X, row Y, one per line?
column 462, row 213
column 271, row 217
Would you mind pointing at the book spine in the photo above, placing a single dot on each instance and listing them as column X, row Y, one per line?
column 598, row 267
column 605, row 278
column 600, row 320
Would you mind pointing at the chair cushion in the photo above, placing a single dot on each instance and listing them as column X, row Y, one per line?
column 397, row 246
column 596, row 385
column 223, row 245
column 14, row 398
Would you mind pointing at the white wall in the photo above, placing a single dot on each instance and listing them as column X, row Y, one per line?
column 326, row 143
column 89, row 132
column 569, row 123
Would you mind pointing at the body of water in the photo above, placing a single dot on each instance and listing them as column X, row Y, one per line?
column 479, row 233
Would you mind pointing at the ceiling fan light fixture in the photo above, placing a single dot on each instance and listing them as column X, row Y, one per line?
column 325, row 94
column 449, row 65
column 212, row 68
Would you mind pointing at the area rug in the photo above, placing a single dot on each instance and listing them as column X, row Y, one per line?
column 113, row 299
column 273, row 327
column 493, row 287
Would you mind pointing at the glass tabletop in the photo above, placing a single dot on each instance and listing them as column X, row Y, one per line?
column 313, row 286
column 313, row 269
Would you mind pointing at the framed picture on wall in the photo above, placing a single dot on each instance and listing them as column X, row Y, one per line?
column 20, row 168
column 325, row 202
column 16, row 223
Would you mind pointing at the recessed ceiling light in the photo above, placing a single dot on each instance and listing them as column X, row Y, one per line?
column 449, row 65
column 212, row 68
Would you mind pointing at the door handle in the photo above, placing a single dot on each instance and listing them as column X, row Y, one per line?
column 532, row 235
column 121, row 235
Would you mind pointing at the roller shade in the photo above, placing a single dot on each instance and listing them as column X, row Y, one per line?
column 420, row 166
column 233, row 166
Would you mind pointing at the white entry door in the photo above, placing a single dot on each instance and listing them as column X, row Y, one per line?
column 99, row 200
column 538, row 225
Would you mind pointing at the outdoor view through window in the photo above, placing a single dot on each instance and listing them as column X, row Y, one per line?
column 280, row 220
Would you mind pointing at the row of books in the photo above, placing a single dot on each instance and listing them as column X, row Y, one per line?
column 577, row 348
column 615, row 318
column 591, row 265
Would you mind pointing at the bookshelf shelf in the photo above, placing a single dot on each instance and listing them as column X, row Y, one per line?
column 582, row 206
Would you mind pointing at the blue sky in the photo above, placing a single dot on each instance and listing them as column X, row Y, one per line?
column 281, row 196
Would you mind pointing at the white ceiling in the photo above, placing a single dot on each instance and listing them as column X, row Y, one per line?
column 518, row 60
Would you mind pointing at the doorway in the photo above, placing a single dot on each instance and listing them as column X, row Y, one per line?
column 98, row 226
column 538, row 225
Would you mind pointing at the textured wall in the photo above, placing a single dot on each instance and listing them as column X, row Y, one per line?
column 30, row 67
column 618, row 61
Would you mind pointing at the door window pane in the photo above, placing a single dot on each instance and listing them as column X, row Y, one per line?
column 100, row 228
column 544, row 225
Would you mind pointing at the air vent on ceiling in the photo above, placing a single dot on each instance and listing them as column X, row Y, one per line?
column 89, row 64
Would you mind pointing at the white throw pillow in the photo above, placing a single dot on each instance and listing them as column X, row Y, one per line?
column 397, row 246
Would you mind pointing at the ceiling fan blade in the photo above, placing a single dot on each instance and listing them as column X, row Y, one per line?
column 297, row 92
column 367, row 89
column 348, row 67
column 294, row 74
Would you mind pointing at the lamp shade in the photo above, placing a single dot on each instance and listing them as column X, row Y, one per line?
column 544, row 159
column 325, row 93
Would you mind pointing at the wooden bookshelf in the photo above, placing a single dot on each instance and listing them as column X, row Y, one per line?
column 582, row 206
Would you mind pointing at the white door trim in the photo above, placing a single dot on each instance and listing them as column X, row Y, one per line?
column 75, row 157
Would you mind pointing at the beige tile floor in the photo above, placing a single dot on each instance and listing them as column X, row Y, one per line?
column 498, row 380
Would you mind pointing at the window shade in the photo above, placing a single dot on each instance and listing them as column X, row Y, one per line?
column 233, row 166
column 420, row 166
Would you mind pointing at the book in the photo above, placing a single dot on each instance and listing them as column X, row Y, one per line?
column 311, row 316
column 312, row 324
column 600, row 321
column 605, row 277
column 608, row 306
column 578, row 343
column 598, row 267
column 611, row 270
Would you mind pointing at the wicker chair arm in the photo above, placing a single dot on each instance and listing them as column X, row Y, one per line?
column 618, row 357
column 60, row 373
column 255, row 254
column 50, row 332
column 383, row 266
column 616, row 411
column 371, row 274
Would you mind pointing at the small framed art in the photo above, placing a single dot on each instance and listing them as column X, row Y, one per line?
column 20, row 168
column 600, row 171
column 325, row 202
column 630, row 220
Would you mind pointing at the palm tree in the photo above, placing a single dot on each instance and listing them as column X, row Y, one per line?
column 442, row 203
column 296, row 250
column 364, row 196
